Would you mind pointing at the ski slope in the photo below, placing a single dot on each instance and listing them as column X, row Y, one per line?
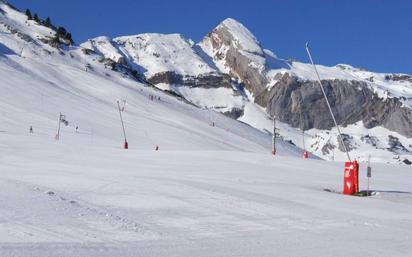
column 59, row 200
column 208, row 191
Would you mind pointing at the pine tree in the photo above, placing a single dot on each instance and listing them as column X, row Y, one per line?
column 56, row 40
column 28, row 14
column 36, row 18
column 61, row 32
column 69, row 38
column 47, row 22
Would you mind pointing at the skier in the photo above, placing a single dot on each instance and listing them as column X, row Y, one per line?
column 31, row 129
column 77, row 129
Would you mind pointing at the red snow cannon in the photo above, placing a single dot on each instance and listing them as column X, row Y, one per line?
column 305, row 155
column 351, row 178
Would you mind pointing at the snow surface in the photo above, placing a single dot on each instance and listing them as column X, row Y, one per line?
column 65, row 200
column 157, row 53
column 104, row 46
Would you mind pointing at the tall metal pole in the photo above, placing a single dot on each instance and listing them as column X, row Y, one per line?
column 327, row 101
column 274, row 136
column 124, row 131
column 369, row 173
column 58, row 127
column 303, row 140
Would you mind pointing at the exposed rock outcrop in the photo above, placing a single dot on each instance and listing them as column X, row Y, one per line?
column 301, row 104
column 237, row 50
column 211, row 80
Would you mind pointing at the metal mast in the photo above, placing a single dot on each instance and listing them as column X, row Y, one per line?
column 124, row 131
column 327, row 101
column 274, row 136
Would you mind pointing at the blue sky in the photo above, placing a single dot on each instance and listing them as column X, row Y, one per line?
column 372, row 34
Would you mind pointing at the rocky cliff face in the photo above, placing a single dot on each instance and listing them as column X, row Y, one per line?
column 301, row 104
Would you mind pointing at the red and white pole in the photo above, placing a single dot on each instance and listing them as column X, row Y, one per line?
column 305, row 153
column 126, row 144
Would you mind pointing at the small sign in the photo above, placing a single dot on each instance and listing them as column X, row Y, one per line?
column 369, row 172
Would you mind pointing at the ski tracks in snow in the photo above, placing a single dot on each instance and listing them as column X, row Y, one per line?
column 44, row 215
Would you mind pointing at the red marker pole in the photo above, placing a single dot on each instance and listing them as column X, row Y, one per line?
column 126, row 144
column 305, row 154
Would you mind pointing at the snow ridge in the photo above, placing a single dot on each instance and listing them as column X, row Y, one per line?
column 160, row 53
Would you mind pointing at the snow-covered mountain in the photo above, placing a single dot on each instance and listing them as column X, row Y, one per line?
column 367, row 104
column 212, row 188
column 39, row 79
column 230, row 72
column 174, row 64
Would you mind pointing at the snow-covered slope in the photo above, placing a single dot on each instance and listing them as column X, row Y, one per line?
column 230, row 72
column 66, row 200
column 212, row 189
column 152, row 53
column 171, row 63
column 34, row 89
column 14, row 24
column 104, row 46
column 160, row 53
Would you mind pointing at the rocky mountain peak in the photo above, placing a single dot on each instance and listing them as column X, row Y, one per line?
column 242, row 38
column 237, row 52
